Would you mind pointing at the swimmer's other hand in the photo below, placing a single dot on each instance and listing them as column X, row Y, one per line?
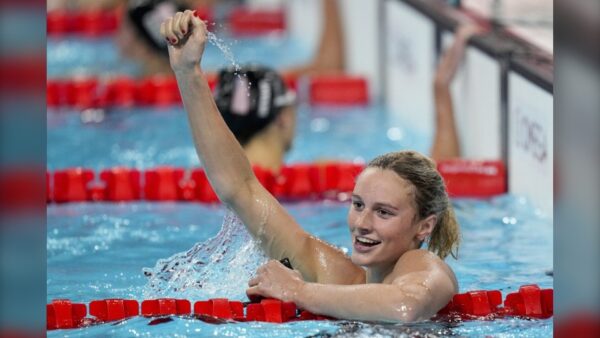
column 274, row 280
column 186, row 35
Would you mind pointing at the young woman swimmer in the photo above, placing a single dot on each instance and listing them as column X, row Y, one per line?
column 399, row 202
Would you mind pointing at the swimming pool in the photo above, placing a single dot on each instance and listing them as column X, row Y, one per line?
column 98, row 250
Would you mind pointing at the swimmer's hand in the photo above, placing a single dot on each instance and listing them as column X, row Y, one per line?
column 187, row 36
column 274, row 280
column 469, row 29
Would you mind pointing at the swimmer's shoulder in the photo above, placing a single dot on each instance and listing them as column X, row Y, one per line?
column 424, row 260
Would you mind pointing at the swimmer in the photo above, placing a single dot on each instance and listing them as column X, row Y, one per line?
column 445, row 142
column 138, row 38
column 260, row 111
column 399, row 204
column 329, row 57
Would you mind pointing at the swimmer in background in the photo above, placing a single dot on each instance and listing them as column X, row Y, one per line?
column 260, row 111
column 138, row 38
column 446, row 142
column 399, row 203
column 329, row 57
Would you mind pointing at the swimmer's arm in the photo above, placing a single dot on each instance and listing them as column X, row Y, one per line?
column 233, row 180
column 446, row 140
column 329, row 57
column 445, row 144
column 417, row 295
column 452, row 57
column 230, row 173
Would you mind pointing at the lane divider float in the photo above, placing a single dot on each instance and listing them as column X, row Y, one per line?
column 472, row 178
column 246, row 21
column 529, row 302
column 242, row 21
column 161, row 91
column 296, row 182
column 339, row 90
column 95, row 23
column 303, row 181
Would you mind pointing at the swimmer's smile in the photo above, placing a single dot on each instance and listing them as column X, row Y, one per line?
column 364, row 244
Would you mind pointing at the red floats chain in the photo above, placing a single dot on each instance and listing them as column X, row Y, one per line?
column 339, row 90
column 251, row 22
column 162, row 184
column 122, row 91
column 333, row 180
column 89, row 23
column 201, row 189
column 474, row 303
column 62, row 314
column 71, row 185
column 296, row 182
column 165, row 306
column 529, row 302
column 114, row 309
column 220, row 308
column 466, row 178
column 95, row 23
column 120, row 184
column 90, row 92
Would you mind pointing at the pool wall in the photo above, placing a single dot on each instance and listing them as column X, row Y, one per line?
column 503, row 92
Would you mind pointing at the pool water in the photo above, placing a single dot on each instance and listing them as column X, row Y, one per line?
column 149, row 137
column 98, row 250
column 78, row 56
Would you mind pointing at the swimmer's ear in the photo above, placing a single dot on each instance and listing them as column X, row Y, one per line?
column 426, row 227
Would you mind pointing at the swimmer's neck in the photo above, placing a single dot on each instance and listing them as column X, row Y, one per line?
column 378, row 274
column 157, row 65
column 265, row 152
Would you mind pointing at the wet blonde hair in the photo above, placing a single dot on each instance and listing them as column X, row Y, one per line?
column 430, row 197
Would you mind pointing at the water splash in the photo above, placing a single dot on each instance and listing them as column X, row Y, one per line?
column 225, row 49
column 219, row 267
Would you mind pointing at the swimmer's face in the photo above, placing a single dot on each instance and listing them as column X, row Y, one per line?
column 381, row 218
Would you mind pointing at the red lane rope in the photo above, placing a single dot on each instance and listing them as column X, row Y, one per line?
column 333, row 180
column 95, row 23
column 296, row 182
column 123, row 91
column 242, row 21
column 472, row 178
column 529, row 302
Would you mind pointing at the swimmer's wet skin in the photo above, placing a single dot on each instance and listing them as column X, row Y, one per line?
column 399, row 202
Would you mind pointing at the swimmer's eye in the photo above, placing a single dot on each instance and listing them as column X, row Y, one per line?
column 384, row 213
column 358, row 205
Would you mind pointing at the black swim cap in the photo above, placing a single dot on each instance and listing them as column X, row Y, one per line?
column 147, row 15
column 250, row 98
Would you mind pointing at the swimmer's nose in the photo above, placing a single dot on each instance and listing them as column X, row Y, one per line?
column 363, row 223
column 363, row 231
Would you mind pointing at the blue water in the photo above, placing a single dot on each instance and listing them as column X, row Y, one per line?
column 100, row 56
column 145, row 138
column 98, row 250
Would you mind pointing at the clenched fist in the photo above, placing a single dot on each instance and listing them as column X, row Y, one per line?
column 187, row 36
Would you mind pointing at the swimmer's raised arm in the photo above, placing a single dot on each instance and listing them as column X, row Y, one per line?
column 229, row 171
column 446, row 142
